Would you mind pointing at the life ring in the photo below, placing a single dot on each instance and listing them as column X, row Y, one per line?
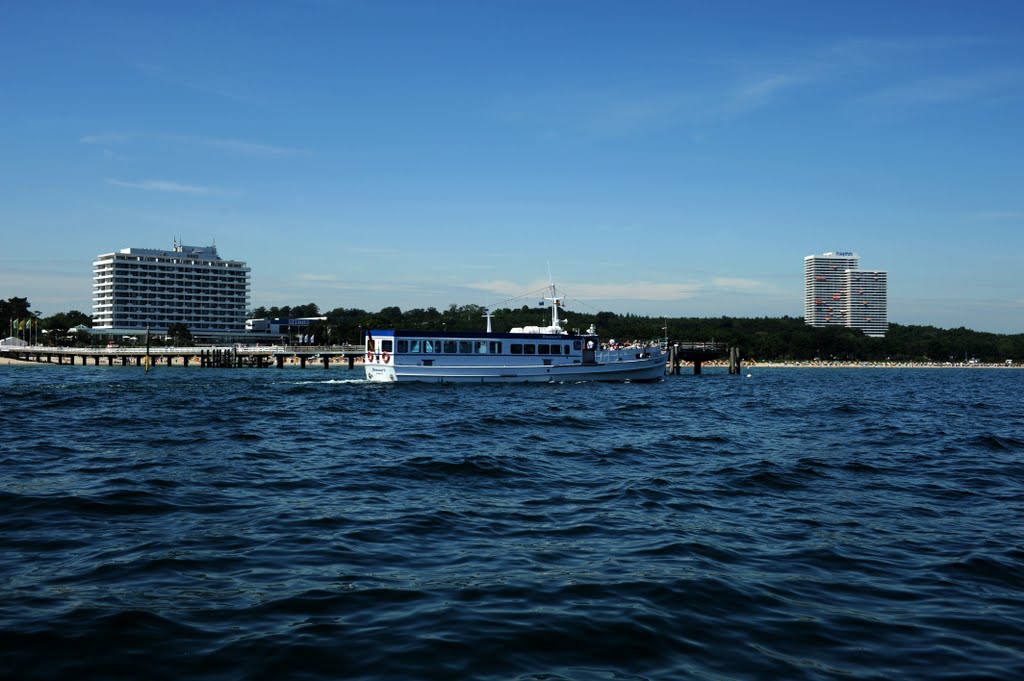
column 369, row 356
column 385, row 357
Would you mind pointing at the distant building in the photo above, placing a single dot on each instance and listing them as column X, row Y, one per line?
column 868, row 301
column 838, row 293
column 139, row 288
column 281, row 326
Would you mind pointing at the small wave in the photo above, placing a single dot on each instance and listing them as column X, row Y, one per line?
column 988, row 569
column 507, row 420
column 290, row 485
column 329, row 381
column 483, row 466
column 195, row 439
column 770, row 479
column 94, row 642
column 996, row 443
column 860, row 467
column 117, row 503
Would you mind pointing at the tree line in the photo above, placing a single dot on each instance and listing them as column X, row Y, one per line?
column 759, row 338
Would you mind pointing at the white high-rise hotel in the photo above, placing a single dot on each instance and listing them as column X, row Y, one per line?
column 137, row 288
column 838, row 293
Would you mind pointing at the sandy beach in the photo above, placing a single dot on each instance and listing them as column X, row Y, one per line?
column 7, row 361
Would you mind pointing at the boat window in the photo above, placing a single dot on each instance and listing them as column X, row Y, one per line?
column 543, row 349
column 415, row 346
column 495, row 348
column 529, row 349
column 403, row 346
column 567, row 349
column 386, row 345
column 576, row 345
column 481, row 347
column 437, row 345
column 465, row 347
column 451, row 346
column 515, row 349
column 428, row 346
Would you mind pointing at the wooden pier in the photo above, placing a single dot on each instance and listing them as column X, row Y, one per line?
column 213, row 356
column 262, row 356
column 698, row 353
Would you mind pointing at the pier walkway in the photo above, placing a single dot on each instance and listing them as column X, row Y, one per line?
column 261, row 356
column 222, row 356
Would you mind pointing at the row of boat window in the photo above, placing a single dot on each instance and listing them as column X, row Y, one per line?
column 465, row 347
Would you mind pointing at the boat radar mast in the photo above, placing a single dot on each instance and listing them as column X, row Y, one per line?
column 556, row 323
column 555, row 303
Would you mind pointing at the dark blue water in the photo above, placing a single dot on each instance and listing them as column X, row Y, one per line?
column 796, row 524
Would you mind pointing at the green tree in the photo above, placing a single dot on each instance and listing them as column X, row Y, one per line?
column 179, row 334
column 308, row 310
column 12, row 309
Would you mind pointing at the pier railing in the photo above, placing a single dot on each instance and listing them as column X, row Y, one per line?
column 236, row 355
column 177, row 351
column 701, row 346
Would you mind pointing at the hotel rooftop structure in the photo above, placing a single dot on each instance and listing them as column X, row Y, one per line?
column 838, row 293
column 139, row 288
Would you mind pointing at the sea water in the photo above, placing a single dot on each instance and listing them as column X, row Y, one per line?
column 284, row 523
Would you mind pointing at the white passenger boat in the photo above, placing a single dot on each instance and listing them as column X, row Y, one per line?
column 529, row 354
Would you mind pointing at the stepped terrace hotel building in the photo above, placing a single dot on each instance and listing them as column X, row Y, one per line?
column 838, row 293
column 139, row 288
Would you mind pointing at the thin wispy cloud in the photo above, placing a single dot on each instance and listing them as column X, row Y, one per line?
column 111, row 156
column 741, row 84
column 374, row 250
column 235, row 146
column 998, row 215
column 736, row 283
column 253, row 148
column 164, row 75
column 162, row 186
column 629, row 114
column 759, row 92
column 637, row 290
column 108, row 138
column 946, row 89
column 398, row 288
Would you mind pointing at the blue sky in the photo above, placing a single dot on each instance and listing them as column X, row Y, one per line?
column 663, row 158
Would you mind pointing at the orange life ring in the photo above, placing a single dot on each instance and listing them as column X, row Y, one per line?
column 369, row 356
column 385, row 357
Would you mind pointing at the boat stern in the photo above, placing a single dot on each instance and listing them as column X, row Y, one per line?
column 379, row 360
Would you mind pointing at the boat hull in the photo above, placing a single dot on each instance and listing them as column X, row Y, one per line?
column 646, row 369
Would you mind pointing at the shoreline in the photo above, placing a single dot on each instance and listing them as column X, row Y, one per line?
column 9, row 361
column 878, row 365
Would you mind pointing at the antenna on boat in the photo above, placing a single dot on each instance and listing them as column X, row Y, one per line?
column 555, row 301
column 488, row 314
column 555, row 304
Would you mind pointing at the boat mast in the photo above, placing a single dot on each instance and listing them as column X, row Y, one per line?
column 554, row 308
column 488, row 314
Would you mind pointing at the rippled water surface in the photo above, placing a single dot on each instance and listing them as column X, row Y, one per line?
column 284, row 523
